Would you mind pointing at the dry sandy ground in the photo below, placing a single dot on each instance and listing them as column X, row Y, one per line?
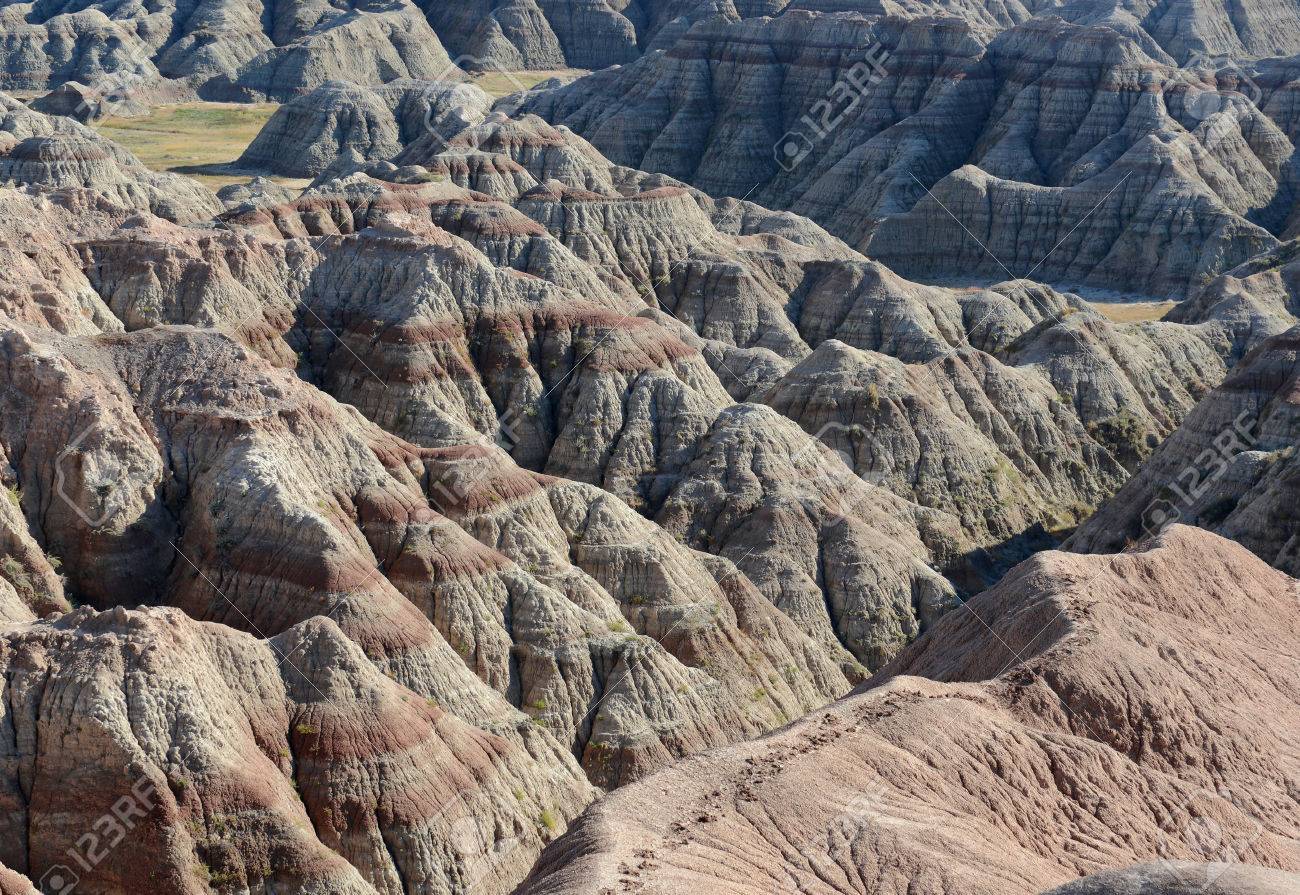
column 1133, row 311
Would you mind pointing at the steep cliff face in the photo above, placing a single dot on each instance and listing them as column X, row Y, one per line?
column 1067, row 709
column 1230, row 467
column 1056, row 151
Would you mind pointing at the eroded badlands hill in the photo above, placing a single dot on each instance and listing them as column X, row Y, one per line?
column 290, row 762
column 1065, row 730
column 1230, row 467
column 613, row 320
column 230, row 49
column 589, row 469
column 240, row 49
column 1061, row 150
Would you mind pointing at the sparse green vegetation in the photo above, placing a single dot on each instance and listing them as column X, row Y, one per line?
column 497, row 84
column 1123, row 433
column 549, row 820
column 1132, row 311
column 14, row 572
column 195, row 139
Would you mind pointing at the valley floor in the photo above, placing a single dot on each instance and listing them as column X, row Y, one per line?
column 196, row 139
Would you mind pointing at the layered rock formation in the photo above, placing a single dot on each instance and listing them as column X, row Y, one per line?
column 1063, row 152
column 1063, row 731
column 487, row 472
column 1196, row 29
column 51, row 152
column 225, row 49
column 242, row 49
column 544, row 34
column 342, row 124
column 229, row 761
column 1230, row 467
column 801, row 326
column 1249, row 304
column 612, row 320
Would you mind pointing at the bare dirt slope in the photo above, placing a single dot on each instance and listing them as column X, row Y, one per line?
column 1075, row 718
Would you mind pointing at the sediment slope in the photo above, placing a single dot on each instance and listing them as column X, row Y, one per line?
column 1082, row 724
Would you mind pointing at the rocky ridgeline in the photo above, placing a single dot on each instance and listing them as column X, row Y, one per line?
column 242, row 49
column 613, row 319
column 245, row 49
column 1063, row 151
column 533, row 474
column 290, row 761
column 809, row 327
column 1230, row 467
column 648, row 568
column 54, row 152
column 239, row 49
column 1069, row 710
column 223, row 50
column 1249, row 304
